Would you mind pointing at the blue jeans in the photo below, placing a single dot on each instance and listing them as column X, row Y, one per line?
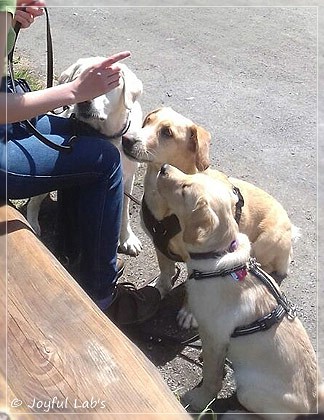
column 90, row 178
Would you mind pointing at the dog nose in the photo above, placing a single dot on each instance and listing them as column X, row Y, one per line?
column 164, row 168
column 127, row 141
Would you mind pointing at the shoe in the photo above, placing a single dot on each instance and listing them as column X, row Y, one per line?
column 120, row 265
column 133, row 306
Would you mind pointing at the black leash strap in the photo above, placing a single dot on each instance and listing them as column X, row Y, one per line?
column 29, row 126
column 50, row 66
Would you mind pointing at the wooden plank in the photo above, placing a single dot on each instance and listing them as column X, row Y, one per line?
column 6, row 393
column 63, row 354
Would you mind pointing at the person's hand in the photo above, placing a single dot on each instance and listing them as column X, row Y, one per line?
column 24, row 3
column 98, row 79
column 25, row 16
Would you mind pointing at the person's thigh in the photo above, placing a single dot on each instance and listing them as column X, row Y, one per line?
column 34, row 168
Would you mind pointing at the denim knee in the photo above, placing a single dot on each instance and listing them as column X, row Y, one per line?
column 111, row 162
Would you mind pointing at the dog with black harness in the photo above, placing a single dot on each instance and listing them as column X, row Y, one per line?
column 242, row 314
column 169, row 137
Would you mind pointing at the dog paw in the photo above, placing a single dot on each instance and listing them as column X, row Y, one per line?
column 186, row 319
column 130, row 246
column 197, row 399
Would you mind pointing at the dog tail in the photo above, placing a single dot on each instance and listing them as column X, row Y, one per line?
column 295, row 233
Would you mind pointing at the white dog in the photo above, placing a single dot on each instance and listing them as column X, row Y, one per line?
column 112, row 114
column 275, row 368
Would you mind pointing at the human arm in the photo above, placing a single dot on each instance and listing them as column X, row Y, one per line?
column 95, row 81
column 5, row 23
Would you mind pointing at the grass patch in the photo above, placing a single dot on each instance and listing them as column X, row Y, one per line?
column 23, row 70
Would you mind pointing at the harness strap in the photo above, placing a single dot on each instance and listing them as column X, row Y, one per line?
column 268, row 281
column 161, row 230
column 200, row 275
column 262, row 324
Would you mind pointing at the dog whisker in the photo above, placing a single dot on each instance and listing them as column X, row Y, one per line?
column 141, row 155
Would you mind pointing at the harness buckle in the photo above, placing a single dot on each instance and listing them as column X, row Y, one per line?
column 289, row 307
column 292, row 311
column 253, row 263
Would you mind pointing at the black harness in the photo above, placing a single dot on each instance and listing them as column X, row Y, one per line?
column 167, row 228
column 161, row 230
column 264, row 323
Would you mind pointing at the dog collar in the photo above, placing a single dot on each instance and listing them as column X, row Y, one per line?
column 199, row 275
column 123, row 131
column 213, row 254
column 79, row 126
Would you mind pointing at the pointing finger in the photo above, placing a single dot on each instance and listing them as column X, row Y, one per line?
column 114, row 59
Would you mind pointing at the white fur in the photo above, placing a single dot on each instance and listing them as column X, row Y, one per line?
column 112, row 110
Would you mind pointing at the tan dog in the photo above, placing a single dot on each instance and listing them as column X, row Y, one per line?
column 275, row 369
column 168, row 137
column 112, row 114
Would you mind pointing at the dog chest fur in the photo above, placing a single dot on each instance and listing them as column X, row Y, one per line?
column 261, row 361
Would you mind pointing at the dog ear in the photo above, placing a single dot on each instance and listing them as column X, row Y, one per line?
column 201, row 223
column 147, row 117
column 70, row 73
column 200, row 140
column 132, row 88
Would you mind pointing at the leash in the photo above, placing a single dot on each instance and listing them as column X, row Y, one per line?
column 49, row 83
column 134, row 199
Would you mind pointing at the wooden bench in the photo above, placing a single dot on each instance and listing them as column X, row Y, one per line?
column 62, row 354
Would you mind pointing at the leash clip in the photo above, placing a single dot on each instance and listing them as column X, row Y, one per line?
column 289, row 307
column 292, row 311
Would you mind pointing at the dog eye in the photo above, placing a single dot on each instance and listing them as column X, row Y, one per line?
column 166, row 132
